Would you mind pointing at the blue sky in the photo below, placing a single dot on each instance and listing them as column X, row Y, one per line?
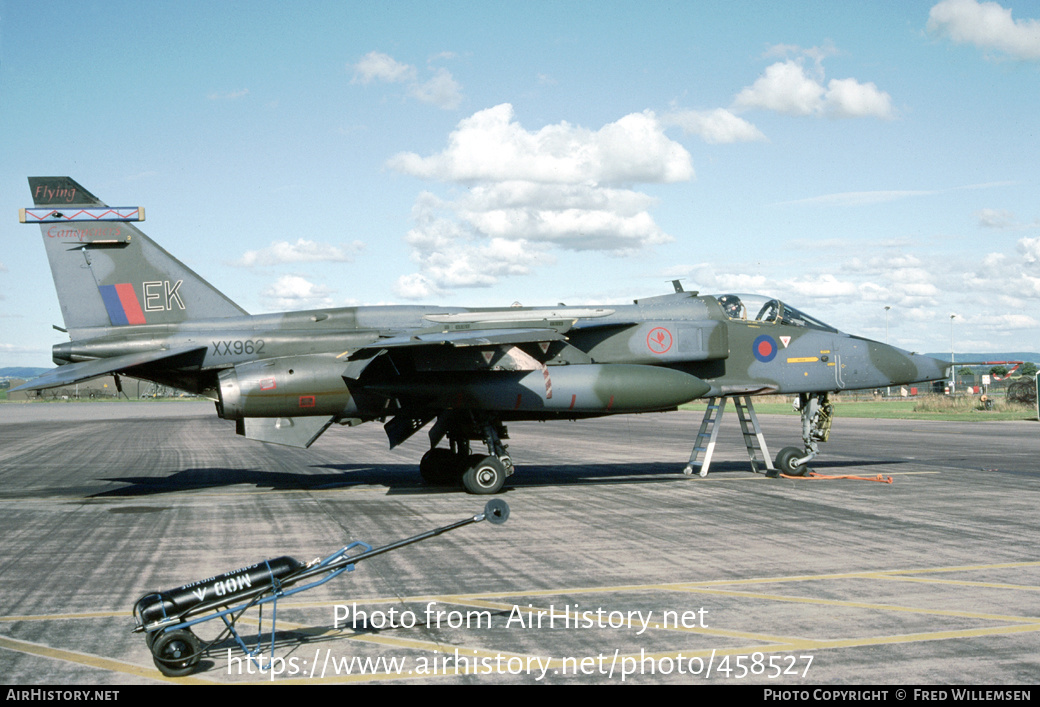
column 844, row 157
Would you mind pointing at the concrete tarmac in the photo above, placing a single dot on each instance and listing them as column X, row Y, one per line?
column 613, row 566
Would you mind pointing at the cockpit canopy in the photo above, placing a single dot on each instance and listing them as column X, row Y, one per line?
column 756, row 308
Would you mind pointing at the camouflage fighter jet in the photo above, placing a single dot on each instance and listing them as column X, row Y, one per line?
column 132, row 309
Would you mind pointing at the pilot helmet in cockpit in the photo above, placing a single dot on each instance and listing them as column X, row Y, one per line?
column 732, row 306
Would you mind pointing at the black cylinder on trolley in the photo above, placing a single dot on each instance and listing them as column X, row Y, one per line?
column 225, row 587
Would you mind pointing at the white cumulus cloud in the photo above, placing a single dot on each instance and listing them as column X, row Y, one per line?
column 376, row 66
column 1029, row 248
column 451, row 252
column 292, row 292
column 784, row 88
column 848, row 98
column 987, row 25
column 490, row 146
column 528, row 191
column 441, row 90
column 788, row 87
column 715, row 127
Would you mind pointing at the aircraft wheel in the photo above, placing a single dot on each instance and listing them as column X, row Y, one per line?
column 176, row 653
column 439, row 467
column 785, row 462
column 487, row 476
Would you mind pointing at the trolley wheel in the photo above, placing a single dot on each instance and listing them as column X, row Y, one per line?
column 176, row 653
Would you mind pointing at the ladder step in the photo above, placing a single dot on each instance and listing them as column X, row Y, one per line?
column 754, row 441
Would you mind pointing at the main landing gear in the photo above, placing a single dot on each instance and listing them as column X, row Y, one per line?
column 816, row 410
column 478, row 473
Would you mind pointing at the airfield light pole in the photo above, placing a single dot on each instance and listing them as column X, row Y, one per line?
column 953, row 370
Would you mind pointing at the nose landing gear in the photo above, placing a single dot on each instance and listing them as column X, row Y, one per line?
column 817, row 411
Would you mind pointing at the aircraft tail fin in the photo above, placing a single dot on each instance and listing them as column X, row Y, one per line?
column 108, row 273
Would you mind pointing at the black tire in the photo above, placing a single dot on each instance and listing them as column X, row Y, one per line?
column 440, row 467
column 176, row 653
column 486, row 476
column 785, row 462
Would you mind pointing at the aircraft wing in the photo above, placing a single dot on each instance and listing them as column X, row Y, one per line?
column 76, row 372
column 479, row 337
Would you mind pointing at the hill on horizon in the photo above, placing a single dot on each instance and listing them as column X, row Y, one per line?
column 969, row 357
column 21, row 372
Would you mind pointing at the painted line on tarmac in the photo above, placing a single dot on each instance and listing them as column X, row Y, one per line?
column 93, row 661
column 762, row 643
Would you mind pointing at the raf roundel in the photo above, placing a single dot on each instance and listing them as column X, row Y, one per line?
column 764, row 348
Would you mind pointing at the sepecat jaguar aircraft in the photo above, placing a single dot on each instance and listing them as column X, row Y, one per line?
column 132, row 309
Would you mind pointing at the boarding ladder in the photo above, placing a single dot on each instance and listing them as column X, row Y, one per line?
column 754, row 440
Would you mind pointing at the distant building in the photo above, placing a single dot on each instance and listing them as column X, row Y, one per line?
column 93, row 389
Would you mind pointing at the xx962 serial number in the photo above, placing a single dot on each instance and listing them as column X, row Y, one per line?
column 238, row 346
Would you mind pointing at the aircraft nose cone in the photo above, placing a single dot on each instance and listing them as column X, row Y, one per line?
column 899, row 367
column 928, row 368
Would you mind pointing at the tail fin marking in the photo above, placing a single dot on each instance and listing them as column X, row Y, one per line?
column 122, row 304
column 103, row 213
column 105, row 272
